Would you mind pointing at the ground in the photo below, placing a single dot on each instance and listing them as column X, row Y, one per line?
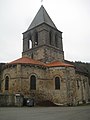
column 45, row 113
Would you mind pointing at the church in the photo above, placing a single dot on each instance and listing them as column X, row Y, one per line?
column 42, row 73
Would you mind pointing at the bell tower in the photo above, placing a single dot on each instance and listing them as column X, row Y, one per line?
column 42, row 40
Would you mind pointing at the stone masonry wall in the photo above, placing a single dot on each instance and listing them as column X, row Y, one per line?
column 7, row 100
column 19, row 82
column 45, row 84
column 48, row 48
column 45, row 54
column 82, row 88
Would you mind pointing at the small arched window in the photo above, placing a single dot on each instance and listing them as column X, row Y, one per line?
column 33, row 82
column 57, row 83
column 36, row 38
column 50, row 37
column 30, row 44
column 56, row 40
column 7, row 83
column 78, row 84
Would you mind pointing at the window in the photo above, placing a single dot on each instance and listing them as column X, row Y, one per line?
column 56, row 40
column 32, row 82
column 29, row 44
column 29, row 41
column 57, row 83
column 36, row 39
column 7, row 83
column 84, row 83
column 78, row 84
column 50, row 37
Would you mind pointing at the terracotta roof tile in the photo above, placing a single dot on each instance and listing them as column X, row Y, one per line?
column 26, row 60
column 59, row 64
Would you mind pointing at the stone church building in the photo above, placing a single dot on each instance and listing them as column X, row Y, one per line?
column 42, row 73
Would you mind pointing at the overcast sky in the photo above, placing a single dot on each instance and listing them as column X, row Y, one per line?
column 72, row 17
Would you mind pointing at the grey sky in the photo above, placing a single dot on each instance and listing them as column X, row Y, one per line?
column 72, row 17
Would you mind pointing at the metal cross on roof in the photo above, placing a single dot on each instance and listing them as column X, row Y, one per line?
column 41, row 1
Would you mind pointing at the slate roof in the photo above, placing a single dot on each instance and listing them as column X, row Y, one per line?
column 41, row 17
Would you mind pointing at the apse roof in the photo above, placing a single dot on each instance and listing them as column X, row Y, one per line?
column 41, row 17
column 59, row 64
column 27, row 60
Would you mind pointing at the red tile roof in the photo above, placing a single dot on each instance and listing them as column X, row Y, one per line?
column 27, row 60
column 59, row 64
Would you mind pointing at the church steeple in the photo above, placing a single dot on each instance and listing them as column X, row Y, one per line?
column 41, row 17
column 43, row 41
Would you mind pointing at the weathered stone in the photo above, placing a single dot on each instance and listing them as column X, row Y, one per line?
column 72, row 88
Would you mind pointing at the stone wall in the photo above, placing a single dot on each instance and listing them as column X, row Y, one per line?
column 49, row 47
column 1, row 68
column 19, row 82
column 45, row 85
column 45, row 54
column 7, row 100
column 11, row 100
column 19, row 76
column 82, row 88
column 66, row 94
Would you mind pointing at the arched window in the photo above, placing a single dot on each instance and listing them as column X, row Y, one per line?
column 32, row 82
column 78, row 84
column 57, row 83
column 7, row 83
column 30, row 42
column 36, row 38
column 50, row 37
column 56, row 40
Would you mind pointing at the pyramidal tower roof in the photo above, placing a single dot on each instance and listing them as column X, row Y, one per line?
column 41, row 17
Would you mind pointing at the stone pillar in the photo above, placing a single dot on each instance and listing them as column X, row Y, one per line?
column 43, row 37
column 70, row 84
column 25, row 44
column 19, row 81
column 18, row 70
column 59, row 43
column 87, row 90
column 53, row 38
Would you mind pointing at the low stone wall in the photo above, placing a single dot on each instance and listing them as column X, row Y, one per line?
column 7, row 100
column 10, row 100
